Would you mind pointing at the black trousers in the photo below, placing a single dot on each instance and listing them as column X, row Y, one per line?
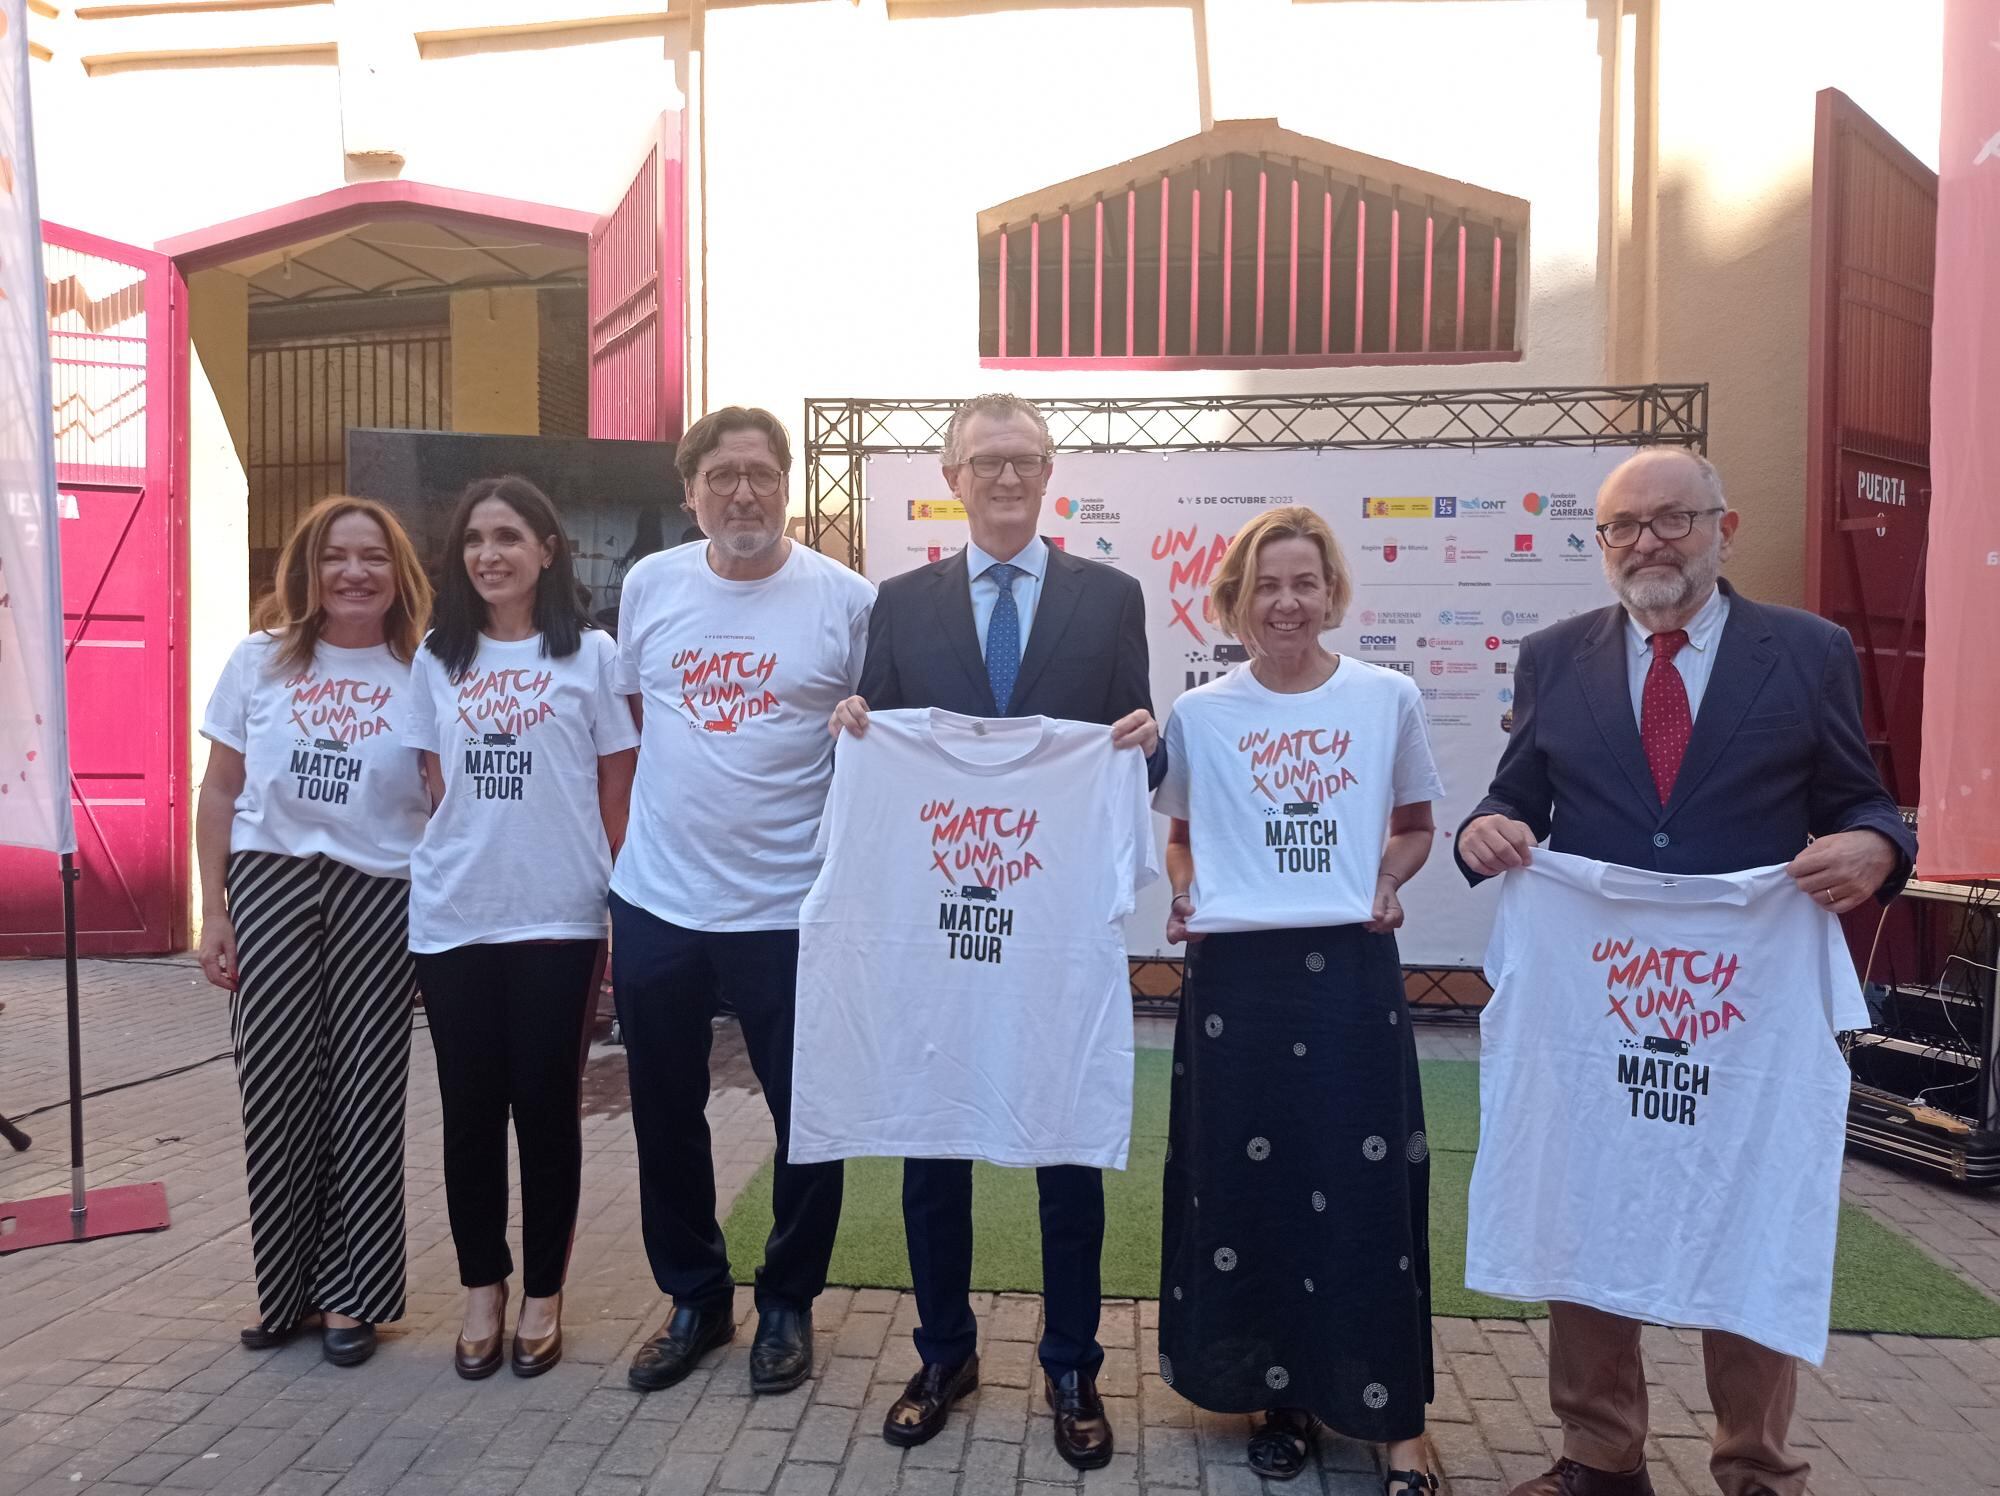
column 668, row 981
column 508, row 1023
column 937, row 1225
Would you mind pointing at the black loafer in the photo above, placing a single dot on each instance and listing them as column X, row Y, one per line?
column 919, row 1413
column 1083, row 1433
column 687, row 1336
column 781, row 1357
column 348, row 1347
column 261, row 1337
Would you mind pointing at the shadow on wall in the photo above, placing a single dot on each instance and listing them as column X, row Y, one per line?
column 1734, row 283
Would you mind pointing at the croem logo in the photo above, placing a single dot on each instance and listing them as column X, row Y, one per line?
column 1377, row 641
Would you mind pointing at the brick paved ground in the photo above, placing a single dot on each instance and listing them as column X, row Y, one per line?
column 119, row 1368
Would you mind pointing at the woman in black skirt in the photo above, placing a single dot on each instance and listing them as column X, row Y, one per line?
column 1295, row 1264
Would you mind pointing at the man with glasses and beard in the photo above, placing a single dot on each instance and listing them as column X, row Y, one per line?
column 734, row 652
column 1686, row 730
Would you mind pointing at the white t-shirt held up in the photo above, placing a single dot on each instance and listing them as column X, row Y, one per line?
column 324, row 770
column 1287, row 795
column 963, row 988
column 1662, row 1103
column 737, row 680
column 516, row 850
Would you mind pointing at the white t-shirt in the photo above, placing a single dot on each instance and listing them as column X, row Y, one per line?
column 737, row 681
column 963, row 988
column 1287, row 795
column 324, row 771
column 517, row 849
column 1662, row 1103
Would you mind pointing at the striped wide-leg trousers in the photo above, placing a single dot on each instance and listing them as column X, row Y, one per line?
column 321, row 1024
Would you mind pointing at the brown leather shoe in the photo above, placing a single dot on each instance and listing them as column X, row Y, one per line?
column 533, row 1356
column 1083, row 1433
column 920, row 1412
column 1568, row 1477
column 475, row 1360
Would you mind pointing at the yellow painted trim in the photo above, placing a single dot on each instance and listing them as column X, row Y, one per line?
column 319, row 53
column 181, row 7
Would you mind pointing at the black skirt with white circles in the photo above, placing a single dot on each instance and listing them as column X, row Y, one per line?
column 1295, row 1259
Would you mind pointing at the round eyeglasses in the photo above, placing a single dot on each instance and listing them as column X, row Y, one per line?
column 1675, row 524
column 722, row 481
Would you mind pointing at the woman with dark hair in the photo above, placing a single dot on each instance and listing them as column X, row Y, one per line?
column 529, row 754
column 309, row 810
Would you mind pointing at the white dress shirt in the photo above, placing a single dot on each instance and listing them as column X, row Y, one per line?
column 1032, row 562
column 1694, row 661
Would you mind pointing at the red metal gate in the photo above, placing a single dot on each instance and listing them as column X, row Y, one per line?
column 637, row 310
column 1868, row 493
column 113, row 334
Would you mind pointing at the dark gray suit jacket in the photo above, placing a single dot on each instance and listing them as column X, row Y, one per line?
column 1778, row 751
column 1086, row 656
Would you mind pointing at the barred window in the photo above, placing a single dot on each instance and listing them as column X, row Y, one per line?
column 1250, row 246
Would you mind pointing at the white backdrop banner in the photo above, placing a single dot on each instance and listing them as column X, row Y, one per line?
column 1455, row 556
column 34, row 751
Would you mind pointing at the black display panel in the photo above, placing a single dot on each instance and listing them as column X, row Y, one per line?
column 619, row 500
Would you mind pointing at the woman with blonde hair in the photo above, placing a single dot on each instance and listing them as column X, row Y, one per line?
column 309, row 810
column 1295, row 1263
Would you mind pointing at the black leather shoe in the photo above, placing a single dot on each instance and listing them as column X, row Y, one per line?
column 348, row 1347
column 1083, row 1433
column 687, row 1336
column 920, row 1412
column 781, row 1356
column 261, row 1337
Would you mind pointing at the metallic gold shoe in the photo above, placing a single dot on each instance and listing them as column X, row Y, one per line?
column 534, row 1356
column 475, row 1360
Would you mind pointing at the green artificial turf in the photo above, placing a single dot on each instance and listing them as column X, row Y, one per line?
column 1883, row 1282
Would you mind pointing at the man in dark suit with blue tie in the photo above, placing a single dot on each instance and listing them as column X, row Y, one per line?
column 1009, row 627
column 1687, row 729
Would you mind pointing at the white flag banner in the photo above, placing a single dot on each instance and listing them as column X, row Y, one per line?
column 34, row 746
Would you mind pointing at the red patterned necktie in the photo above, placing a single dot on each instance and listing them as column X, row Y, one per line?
column 1665, row 722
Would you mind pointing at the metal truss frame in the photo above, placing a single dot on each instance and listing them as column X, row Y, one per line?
column 842, row 434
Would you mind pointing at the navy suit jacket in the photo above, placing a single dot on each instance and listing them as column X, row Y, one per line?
column 1778, row 752
column 1085, row 661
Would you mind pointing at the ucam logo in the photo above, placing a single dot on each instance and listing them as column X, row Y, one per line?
column 1377, row 641
column 1514, row 617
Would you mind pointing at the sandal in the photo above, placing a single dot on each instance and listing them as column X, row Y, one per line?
column 1281, row 1443
column 1409, row 1483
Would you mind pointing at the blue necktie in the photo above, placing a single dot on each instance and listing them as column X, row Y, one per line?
column 1003, row 637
